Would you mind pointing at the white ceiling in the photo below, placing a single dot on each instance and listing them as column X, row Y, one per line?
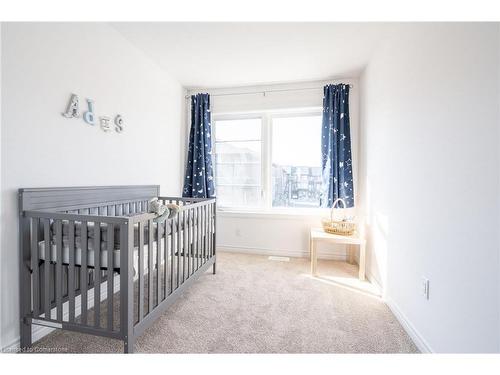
column 237, row 54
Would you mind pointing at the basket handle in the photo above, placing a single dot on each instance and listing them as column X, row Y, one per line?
column 335, row 204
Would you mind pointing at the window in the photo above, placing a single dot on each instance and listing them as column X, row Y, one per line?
column 296, row 161
column 238, row 167
column 268, row 160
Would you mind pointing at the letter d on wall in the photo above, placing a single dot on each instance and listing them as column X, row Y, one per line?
column 88, row 116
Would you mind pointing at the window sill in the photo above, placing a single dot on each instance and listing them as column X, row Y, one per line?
column 274, row 213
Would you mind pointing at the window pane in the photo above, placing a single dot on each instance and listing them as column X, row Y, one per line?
column 296, row 161
column 238, row 163
column 236, row 196
column 238, row 167
column 238, row 130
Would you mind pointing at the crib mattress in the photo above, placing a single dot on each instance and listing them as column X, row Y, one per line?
column 91, row 254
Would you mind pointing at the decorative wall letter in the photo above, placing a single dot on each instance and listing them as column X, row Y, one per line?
column 88, row 116
column 105, row 125
column 72, row 109
column 119, row 123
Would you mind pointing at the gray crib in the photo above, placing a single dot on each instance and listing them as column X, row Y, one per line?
column 93, row 260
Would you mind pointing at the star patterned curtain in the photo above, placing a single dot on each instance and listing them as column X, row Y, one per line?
column 199, row 179
column 336, row 161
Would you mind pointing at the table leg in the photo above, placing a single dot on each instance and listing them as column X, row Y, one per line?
column 314, row 258
column 350, row 254
column 310, row 247
column 362, row 261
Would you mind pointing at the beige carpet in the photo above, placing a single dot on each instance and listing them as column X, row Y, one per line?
column 255, row 305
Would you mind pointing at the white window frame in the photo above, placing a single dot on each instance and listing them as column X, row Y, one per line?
column 241, row 116
column 266, row 159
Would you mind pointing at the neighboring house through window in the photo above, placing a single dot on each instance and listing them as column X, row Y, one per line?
column 268, row 160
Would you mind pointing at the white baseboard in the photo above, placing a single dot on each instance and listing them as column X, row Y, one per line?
column 279, row 252
column 410, row 329
column 38, row 332
column 375, row 282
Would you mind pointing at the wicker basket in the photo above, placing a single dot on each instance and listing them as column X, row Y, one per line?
column 339, row 224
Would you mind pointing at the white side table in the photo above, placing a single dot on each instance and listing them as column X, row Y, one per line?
column 318, row 234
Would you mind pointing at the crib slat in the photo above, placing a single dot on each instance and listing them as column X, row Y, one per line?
column 126, row 282
column 187, row 247
column 97, row 274
column 165, row 266
column 209, row 210
column 48, row 254
column 195, row 244
column 211, row 230
column 197, row 238
column 203, row 225
column 172, row 254
column 214, row 238
column 84, row 272
column 150, row 266
column 194, row 239
column 178, row 249
column 192, row 236
column 111, row 246
column 209, row 239
column 158, row 262
column 71, row 270
column 203, row 234
column 141, row 271
column 179, row 232
column 200, row 237
column 34, row 266
column 207, row 232
column 184, row 246
column 59, row 263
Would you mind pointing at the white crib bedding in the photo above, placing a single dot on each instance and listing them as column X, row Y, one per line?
column 104, row 230
column 91, row 256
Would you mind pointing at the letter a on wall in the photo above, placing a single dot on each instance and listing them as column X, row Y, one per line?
column 73, row 109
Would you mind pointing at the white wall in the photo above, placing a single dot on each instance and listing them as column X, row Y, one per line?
column 430, row 166
column 42, row 64
column 274, row 233
column 1, row 213
column 498, row 109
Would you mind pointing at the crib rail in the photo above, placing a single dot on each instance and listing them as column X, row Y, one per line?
column 188, row 249
column 118, row 280
column 66, row 293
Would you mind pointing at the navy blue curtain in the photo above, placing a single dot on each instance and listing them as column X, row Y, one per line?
column 199, row 179
column 336, row 161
